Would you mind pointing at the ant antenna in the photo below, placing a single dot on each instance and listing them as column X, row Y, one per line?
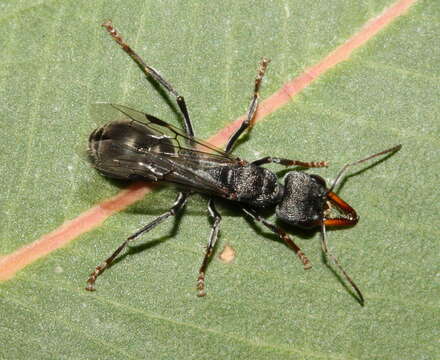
column 336, row 262
column 346, row 166
column 324, row 244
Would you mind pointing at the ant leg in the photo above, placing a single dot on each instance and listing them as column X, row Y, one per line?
column 287, row 162
column 148, row 70
column 213, row 213
column 282, row 234
column 252, row 107
column 177, row 206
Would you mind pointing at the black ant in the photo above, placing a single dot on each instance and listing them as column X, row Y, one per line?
column 139, row 146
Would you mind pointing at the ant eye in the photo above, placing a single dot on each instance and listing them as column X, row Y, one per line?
column 319, row 180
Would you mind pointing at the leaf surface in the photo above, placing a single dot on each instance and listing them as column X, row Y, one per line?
column 56, row 61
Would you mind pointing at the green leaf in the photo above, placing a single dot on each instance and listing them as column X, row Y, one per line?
column 56, row 60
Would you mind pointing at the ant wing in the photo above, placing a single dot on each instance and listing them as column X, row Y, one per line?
column 184, row 144
column 154, row 150
column 129, row 162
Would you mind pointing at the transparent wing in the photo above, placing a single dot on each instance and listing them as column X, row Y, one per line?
column 137, row 145
column 184, row 144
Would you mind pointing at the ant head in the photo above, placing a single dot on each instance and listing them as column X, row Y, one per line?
column 307, row 203
column 304, row 200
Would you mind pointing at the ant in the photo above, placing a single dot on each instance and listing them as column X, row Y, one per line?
column 139, row 146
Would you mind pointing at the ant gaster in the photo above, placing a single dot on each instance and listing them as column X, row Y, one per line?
column 139, row 146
